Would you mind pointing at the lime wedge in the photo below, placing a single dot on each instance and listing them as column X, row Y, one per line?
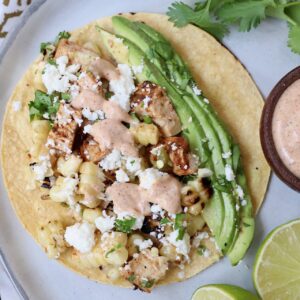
column 276, row 272
column 222, row 292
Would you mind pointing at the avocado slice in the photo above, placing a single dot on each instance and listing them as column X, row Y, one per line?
column 217, row 209
column 145, row 32
column 161, row 54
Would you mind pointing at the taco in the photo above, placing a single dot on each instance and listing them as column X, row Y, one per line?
column 120, row 167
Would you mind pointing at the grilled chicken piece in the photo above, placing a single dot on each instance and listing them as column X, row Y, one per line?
column 145, row 270
column 184, row 163
column 76, row 53
column 90, row 150
column 62, row 135
column 150, row 99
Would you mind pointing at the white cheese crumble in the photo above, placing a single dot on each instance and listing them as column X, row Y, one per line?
column 105, row 223
column 181, row 275
column 149, row 176
column 157, row 150
column 196, row 90
column 87, row 128
column 81, row 236
column 226, row 154
column 112, row 161
column 139, row 220
column 133, row 164
column 199, row 237
column 121, row 176
column 93, row 116
column 155, row 208
column 57, row 77
column 229, row 175
column 143, row 244
column 206, row 100
column 244, row 202
column 16, row 105
column 204, row 172
column 122, row 87
column 182, row 246
column 40, row 169
column 146, row 101
column 138, row 69
column 240, row 192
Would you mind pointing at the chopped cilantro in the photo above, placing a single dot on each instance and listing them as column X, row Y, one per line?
column 201, row 249
column 187, row 178
column 164, row 221
column 178, row 225
column 147, row 283
column 125, row 225
column 118, row 246
column 62, row 35
column 147, row 119
column 108, row 95
column 132, row 162
column 51, row 62
column 222, row 185
column 42, row 103
column 65, row 96
column 131, row 278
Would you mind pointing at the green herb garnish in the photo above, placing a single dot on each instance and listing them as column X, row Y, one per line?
column 147, row 283
column 42, row 104
column 51, row 62
column 164, row 221
column 62, row 35
column 187, row 178
column 215, row 16
column 201, row 250
column 125, row 225
column 178, row 225
column 65, row 96
column 147, row 119
column 118, row 246
column 222, row 185
column 108, row 95
column 131, row 278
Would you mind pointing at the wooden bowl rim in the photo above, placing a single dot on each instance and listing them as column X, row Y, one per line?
column 266, row 136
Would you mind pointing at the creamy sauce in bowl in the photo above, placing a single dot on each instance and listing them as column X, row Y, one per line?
column 286, row 127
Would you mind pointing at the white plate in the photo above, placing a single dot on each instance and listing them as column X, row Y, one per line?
column 262, row 51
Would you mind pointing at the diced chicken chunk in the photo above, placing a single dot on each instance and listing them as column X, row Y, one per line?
column 62, row 135
column 145, row 269
column 151, row 100
column 184, row 163
column 90, row 150
column 76, row 53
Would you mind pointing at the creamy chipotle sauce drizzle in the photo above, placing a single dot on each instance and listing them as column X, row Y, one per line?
column 112, row 134
column 286, row 127
column 131, row 198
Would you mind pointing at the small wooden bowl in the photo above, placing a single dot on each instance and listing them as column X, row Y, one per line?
column 266, row 136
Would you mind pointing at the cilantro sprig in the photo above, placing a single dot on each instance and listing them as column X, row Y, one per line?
column 125, row 225
column 215, row 16
column 178, row 225
column 118, row 246
column 43, row 104
column 48, row 48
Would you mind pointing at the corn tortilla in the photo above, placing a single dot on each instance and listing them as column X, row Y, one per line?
column 221, row 77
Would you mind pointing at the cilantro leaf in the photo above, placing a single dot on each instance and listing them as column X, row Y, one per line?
column 181, row 14
column 62, row 35
column 125, row 225
column 178, row 225
column 131, row 278
column 201, row 250
column 42, row 104
column 147, row 119
column 248, row 14
column 294, row 38
column 164, row 221
column 222, row 185
column 147, row 283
